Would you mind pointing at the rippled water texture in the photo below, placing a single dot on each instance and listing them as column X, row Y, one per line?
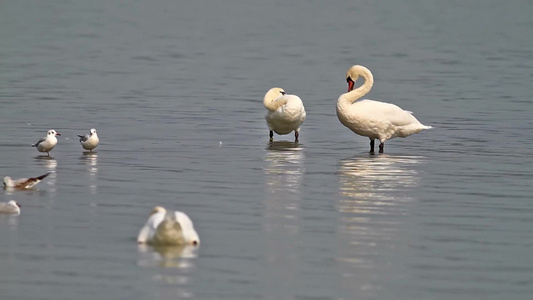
column 175, row 91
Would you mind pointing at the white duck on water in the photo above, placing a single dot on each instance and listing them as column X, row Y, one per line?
column 285, row 112
column 373, row 119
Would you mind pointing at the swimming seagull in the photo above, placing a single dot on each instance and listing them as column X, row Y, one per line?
column 47, row 143
column 23, row 183
column 10, row 207
column 168, row 228
column 89, row 141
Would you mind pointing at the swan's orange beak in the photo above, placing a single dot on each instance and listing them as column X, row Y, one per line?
column 350, row 84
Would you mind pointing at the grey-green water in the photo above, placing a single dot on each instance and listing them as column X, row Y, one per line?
column 175, row 91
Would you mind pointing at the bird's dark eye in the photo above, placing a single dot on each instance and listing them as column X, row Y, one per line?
column 348, row 79
column 282, row 92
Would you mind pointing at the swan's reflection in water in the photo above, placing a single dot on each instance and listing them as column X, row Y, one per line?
column 375, row 198
column 177, row 258
column 284, row 171
column 283, row 181
column 91, row 160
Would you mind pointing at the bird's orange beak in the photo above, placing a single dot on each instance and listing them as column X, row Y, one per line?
column 350, row 84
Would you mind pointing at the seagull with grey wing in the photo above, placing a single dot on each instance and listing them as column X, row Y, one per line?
column 47, row 143
column 23, row 183
column 90, row 140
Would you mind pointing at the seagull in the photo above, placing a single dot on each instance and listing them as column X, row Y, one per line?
column 89, row 141
column 10, row 207
column 165, row 228
column 47, row 143
column 23, row 183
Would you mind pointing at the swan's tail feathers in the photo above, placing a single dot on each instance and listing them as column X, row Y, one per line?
column 427, row 127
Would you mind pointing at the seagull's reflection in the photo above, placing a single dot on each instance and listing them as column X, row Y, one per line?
column 284, row 171
column 50, row 164
column 91, row 160
column 12, row 221
column 375, row 200
column 173, row 257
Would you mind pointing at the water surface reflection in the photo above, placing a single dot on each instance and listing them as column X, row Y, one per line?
column 283, row 182
column 51, row 165
column 283, row 171
column 91, row 160
column 374, row 204
column 175, row 265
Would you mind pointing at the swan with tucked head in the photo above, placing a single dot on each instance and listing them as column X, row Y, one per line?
column 285, row 113
column 168, row 228
column 373, row 119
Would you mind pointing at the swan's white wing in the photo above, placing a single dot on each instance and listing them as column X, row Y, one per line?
column 386, row 112
column 189, row 233
column 150, row 227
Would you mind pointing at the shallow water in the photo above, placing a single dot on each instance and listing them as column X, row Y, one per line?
column 175, row 89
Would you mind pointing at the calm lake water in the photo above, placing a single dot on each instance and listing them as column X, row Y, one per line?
column 175, row 91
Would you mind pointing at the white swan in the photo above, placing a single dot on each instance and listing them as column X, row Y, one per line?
column 89, row 141
column 168, row 228
column 47, row 143
column 285, row 112
column 10, row 207
column 373, row 119
column 23, row 183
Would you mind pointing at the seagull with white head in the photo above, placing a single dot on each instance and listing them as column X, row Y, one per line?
column 47, row 143
column 90, row 140
column 10, row 207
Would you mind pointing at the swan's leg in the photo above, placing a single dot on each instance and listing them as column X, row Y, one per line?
column 296, row 135
column 371, row 146
column 381, row 146
column 271, row 135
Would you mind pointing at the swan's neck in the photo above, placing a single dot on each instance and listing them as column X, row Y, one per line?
column 351, row 96
column 274, row 103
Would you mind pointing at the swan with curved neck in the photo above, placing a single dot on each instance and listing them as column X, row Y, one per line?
column 285, row 113
column 373, row 119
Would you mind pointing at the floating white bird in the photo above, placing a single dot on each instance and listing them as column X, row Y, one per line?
column 373, row 119
column 89, row 141
column 47, row 143
column 285, row 112
column 10, row 207
column 23, row 183
column 168, row 228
